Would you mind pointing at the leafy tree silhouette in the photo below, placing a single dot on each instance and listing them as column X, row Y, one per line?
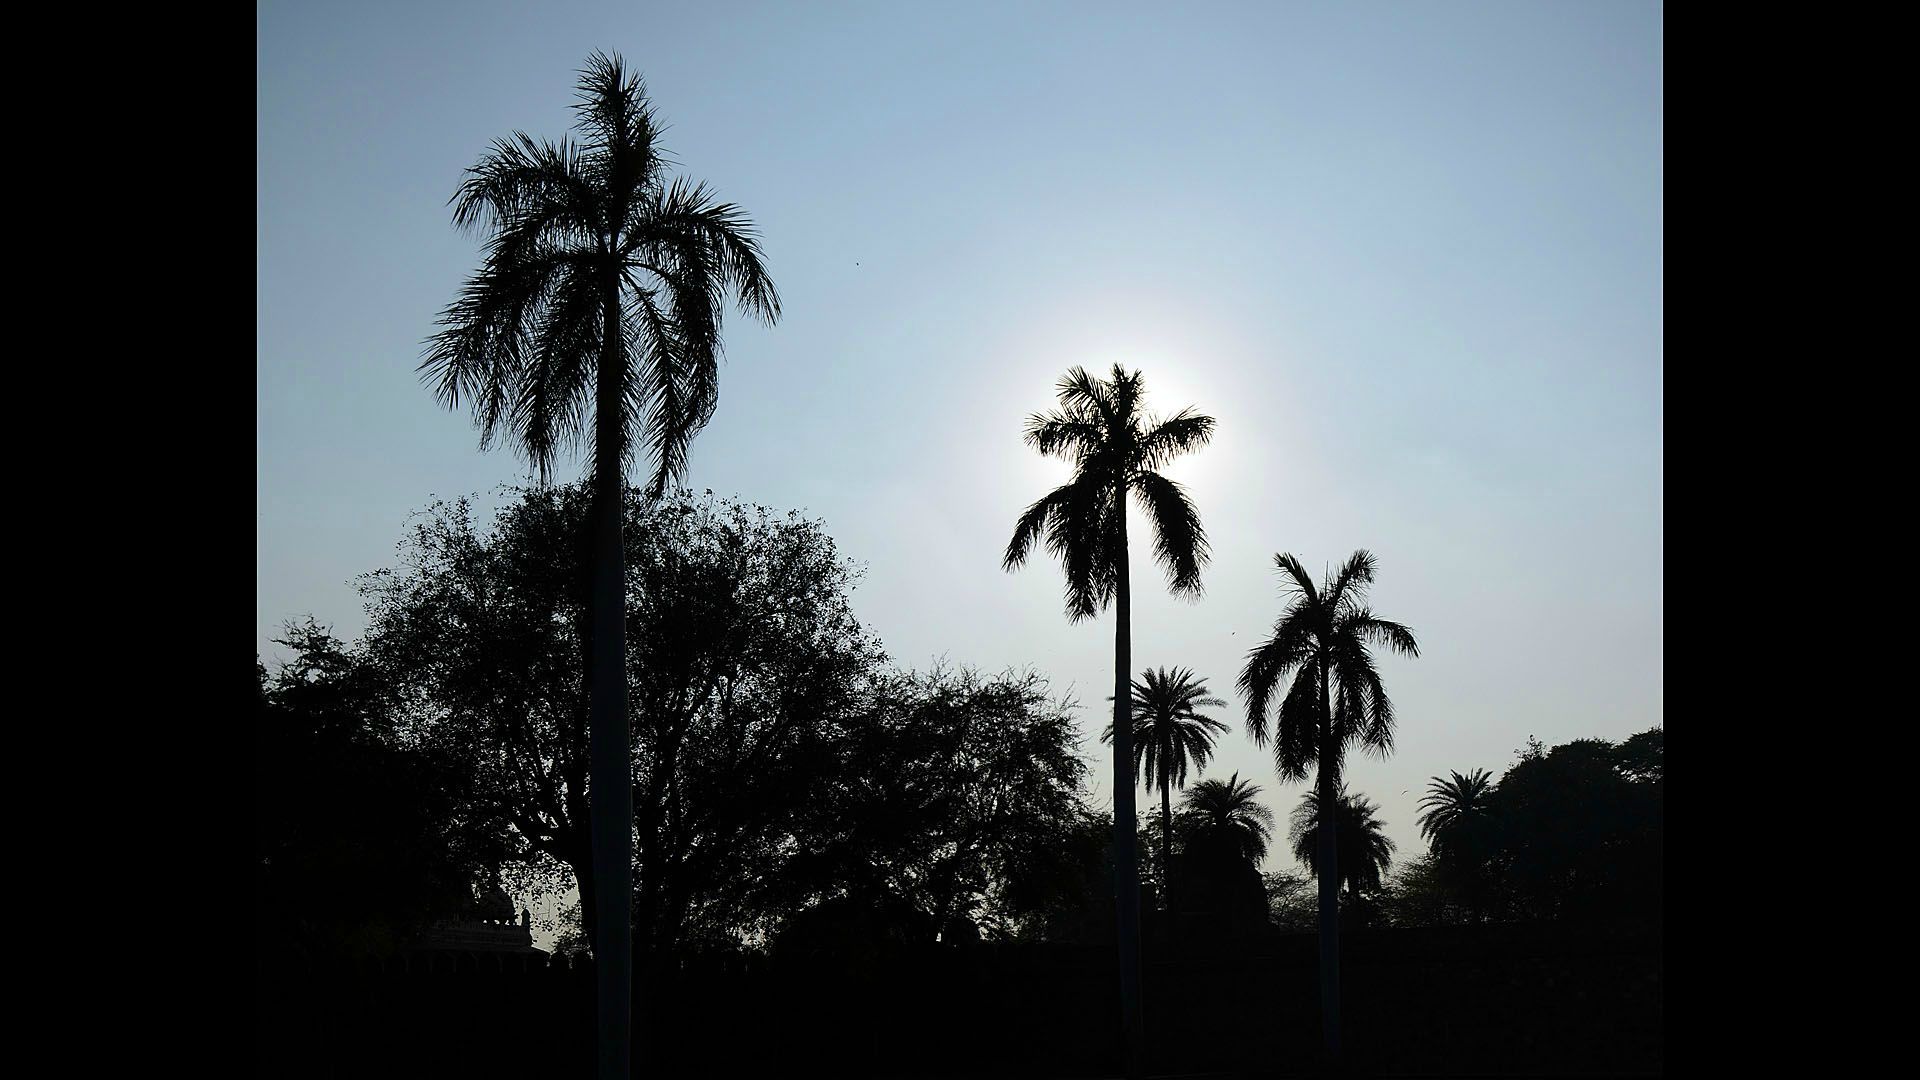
column 360, row 838
column 1642, row 758
column 1419, row 894
column 1578, row 837
column 1116, row 450
column 1336, row 700
column 1169, row 734
column 603, row 288
column 745, row 662
column 954, row 796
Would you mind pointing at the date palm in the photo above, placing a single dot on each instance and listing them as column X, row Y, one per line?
column 1335, row 701
column 1457, row 824
column 1169, row 735
column 596, row 319
column 1116, row 450
column 1364, row 853
column 1453, row 805
column 1227, row 808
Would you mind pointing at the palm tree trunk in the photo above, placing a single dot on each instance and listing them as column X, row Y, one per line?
column 1126, row 875
column 611, row 790
column 1329, row 877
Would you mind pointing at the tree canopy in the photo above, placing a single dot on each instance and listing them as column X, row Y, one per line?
column 1568, row 833
column 778, row 762
column 743, row 647
column 957, row 795
column 359, row 839
column 1578, row 833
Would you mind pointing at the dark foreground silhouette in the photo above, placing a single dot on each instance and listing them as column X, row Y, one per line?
column 1513, row 999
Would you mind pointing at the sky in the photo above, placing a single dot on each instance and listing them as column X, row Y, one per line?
column 1408, row 255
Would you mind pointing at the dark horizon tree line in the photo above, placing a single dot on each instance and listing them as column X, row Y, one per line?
column 359, row 826
column 467, row 608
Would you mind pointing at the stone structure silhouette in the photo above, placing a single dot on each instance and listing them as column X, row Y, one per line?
column 487, row 925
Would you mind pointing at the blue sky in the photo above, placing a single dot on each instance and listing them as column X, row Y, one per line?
column 1409, row 255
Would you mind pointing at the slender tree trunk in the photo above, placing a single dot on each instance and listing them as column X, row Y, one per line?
column 1126, row 873
column 647, row 853
column 611, row 790
column 1329, row 772
column 654, row 828
column 1166, row 853
column 589, row 909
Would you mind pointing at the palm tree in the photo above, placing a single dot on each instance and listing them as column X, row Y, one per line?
column 1116, row 450
column 1321, row 641
column 1169, row 733
column 1452, row 805
column 1363, row 851
column 1228, row 809
column 1456, row 823
column 602, row 292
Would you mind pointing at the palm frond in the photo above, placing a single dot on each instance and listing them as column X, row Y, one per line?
column 1126, row 390
column 687, row 221
column 549, row 414
column 1364, row 625
column 1070, row 435
column 1355, row 575
column 522, row 190
column 1070, row 517
column 1375, row 732
column 1268, row 666
column 1363, row 712
column 1179, row 540
column 1181, row 433
column 617, row 121
column 481, row 353
column 1082, row 537
column 1032, row 525
column 1297, row 727
column 1081, row 392
column 1297, row 581
column 673, row 397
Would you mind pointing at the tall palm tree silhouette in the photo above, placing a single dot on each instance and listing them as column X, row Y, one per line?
column 1169, row 734
column 1336, row 700
column 1363, row 851
column 603, row 291
column 1228, row 809
column 1116, row 450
